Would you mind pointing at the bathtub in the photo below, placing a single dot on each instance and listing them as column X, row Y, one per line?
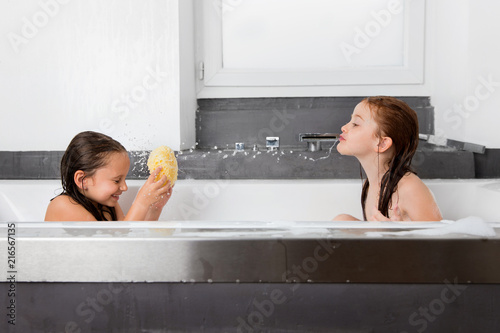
column 250, row 256
column 259, row 200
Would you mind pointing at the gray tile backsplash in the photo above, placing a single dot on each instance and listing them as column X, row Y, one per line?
column 223, row 122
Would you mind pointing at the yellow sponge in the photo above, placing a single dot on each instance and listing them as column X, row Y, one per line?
column 163, row 156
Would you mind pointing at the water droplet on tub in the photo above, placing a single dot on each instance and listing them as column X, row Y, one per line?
column 196, row 143
column 215, row 147
column 210, row 280
column 237, row 280
column 224, row 157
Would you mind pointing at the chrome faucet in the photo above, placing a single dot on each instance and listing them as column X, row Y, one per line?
column 314, row 139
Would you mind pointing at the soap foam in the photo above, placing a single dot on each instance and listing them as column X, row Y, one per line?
column 471, row 225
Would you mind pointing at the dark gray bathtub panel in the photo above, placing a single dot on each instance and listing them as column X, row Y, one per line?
column 243, row 307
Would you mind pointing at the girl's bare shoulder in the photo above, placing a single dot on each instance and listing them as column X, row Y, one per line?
column 417, row 200
column 63, row 208
column 411, row 183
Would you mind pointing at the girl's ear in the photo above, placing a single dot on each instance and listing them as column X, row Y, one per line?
column 384, row 144
column 80, row 180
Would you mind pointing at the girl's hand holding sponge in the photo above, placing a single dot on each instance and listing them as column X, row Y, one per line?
column 157, row 190
column 163, row 156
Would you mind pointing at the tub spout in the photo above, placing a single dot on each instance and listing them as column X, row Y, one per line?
column 314, row 139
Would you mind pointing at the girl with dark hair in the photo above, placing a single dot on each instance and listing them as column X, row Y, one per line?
column 383, row 136
column 93, row 171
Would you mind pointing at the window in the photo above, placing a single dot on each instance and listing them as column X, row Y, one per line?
column 258, row 43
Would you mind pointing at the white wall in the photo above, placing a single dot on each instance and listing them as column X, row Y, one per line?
column 467, row 54
column 89, row 66
column 114, row 66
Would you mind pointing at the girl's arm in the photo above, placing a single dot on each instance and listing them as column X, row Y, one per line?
column 151, row 194
column 155, row 210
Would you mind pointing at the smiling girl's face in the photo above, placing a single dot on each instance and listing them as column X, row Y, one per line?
column 108, row 182
column 359, row 136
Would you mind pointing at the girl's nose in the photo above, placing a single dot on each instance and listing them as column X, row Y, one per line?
column 343, row 129
column 123, row 186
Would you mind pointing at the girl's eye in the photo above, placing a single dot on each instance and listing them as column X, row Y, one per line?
column 354, row 124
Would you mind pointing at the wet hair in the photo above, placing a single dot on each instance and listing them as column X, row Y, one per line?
column 398, row 121
column 87, row 151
